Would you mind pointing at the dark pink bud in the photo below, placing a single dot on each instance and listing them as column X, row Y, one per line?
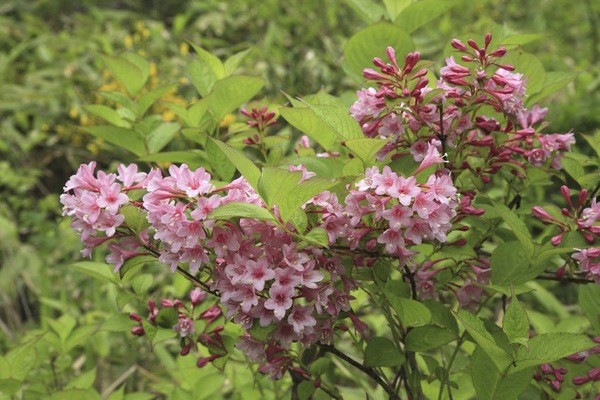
column 580, row 380
column 561, row 271
column 499, row 52
column 594, row 374
column 135, row 317
column 596, row 339
column 466, row 58
column 546, row 368
column 566, row 194
column 507, row 67
column 203, row 361
column 391, row 53
column 555, row 385
column 556, row 240
column 138, row 331
column 488, row 39
column 185, row 350
column 458, row 45
column 317, row 383
column 372, row 74
column 197, row 295
column 540, row 213
column 577, row 357
column 582, row 196
column 473, row 44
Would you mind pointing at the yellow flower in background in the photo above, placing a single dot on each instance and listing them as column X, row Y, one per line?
column 184, row 49
column 227, row 120
column 128, row 41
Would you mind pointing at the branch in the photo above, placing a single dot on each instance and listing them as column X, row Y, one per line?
column 367, row 370
column 570, row 279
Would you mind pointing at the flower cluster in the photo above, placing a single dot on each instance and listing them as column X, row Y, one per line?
column 456, row 115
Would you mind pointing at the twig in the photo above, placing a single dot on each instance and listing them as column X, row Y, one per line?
column 119, row 381
column 367, row 370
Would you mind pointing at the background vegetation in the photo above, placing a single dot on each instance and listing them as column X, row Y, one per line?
column 51, row 70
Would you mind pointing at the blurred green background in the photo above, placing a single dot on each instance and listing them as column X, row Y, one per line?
column 50, row 69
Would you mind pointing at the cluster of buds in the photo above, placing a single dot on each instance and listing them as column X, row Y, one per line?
column 451, row 116
column 260, row 119
column 551, row 375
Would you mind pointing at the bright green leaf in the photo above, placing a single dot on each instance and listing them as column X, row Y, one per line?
column 98, row 271
column 161, row 136
column 589, row 300
column 108, row 114
column 381, row 352
column 428, row 337
column 517, row 226
column 491, row 384
column 242, row 163
column 241, row 210
column 129, row 72
column 516, row 322
column 549, row 347
column 229, row 93
column 122, row 137
column 421, row 12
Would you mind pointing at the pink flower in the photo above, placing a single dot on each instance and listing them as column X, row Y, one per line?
column 591, row 214
column 257, row 274
column 129, row 175
column 405, row 190
column 185, row 326
column 398, row 217
column 280, row 300
column 301, row 318
column 432, row 157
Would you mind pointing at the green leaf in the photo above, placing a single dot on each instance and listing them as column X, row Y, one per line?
column 229, row 93
column 107, row 114
column 135, row 218
column 21, row 359
column 339, row 120
column 594, row 141
column 421, row 12
column 365, row 149
column 441, row 316
column 552, row 84
column 131, row 72
column 141, row 283
column 317, row 236
column 62, row 326
column 10, row 386
column 381, row 352
column 428, row 337
column 205, row 70
column 573, row 167
column 148, row 99
column 219, row 162
column 411, row 312
column 517, row 226
column 550, row 347
column 99, row 271
column 491, row 384
column 79, row 394
column 511, row 266
column 305, row 120
column 306, row 390
column 369, row 10
column 118, row 323
column 530, row 66
column 122, row 137
column 516, row 322
column 589, row 300
column 233, row 62
column 131, row 266
column 193, row 158
column 261, row 333
column 83, row 381
column 241, row 210
column 476, row 328
column 161, row 136
column 242, row 163
column 79, row 336
column 395, row 7
column 372, row 42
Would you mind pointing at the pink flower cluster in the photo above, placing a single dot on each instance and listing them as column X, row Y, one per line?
column 94, row 201
column 404, row 109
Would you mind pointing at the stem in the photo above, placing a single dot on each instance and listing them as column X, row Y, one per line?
column 367, row 370
column 570, row 279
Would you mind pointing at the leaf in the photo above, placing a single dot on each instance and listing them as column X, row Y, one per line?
column 369, row 10
column 108, row 114
column 134, row 264
column 161, row 136
column 305, row 120
column 553, row 82
column 129, row 72
column 83, row 381
column 99, row 271
column 411, row 312
column 421, row 12
column 261, row 333
column 241, row 210
column 243, row 164
column 219, row 162
column 530, row 66
column 122, row 137
column 193, row 158
column 371, row 42
column 317, row 236
column 589, row 300
column 516, row 323
column 205, row 70
column 10, row 386
column 79, row 394
column 395, row 7
column 594, row 142
column 229, row 93
column 148, row 99
column 62, row 326
column 517, row 226
column 550, row 347
column 521, row 39
column 117, row 323
column 233, row 62
column 491, row 384
column 365, row 149
column 511, row 266
column 381, row 352
column 475, row 327
column 339, row 120
column 21, row 359
column 428, row 337
column 135, row 218
column 141, row 283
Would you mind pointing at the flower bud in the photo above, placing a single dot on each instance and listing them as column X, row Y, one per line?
column 458, row 45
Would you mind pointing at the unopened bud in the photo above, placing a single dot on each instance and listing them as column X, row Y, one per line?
column 488, row 39
column 458, row 45
column 137, row 331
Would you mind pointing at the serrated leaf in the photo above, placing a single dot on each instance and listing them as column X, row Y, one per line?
column 516, row 323
column 135, row 218
column 233, row 62
column 99, row 271
column 220, row 164
column 205, row 71
column 261, row 333
column 305, row 120
column 366, row 148
column 428, row 337
column 369, row 10
column 132, row 265
column 108, row 114
column 371, row 42
column 231, row 92
column 549, row 347
column 317, row 236
column 421, row 12
column 476, row 328
column 127, row 71
column 241, row 210
column 381, row 352
column 122, row 137
column 148, row 99
column 141, row 283
column 511, row 266
column 495, row 385
column 161, row 136
column 518, row 227
column 242, row 163
column 589, row 300
column 410, row 312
